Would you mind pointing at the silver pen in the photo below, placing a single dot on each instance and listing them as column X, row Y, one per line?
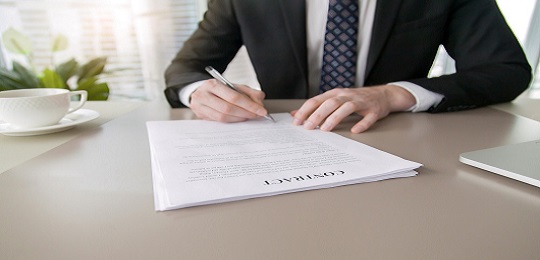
column 227, row 83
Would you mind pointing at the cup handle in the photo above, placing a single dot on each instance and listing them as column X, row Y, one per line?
column 84, row 96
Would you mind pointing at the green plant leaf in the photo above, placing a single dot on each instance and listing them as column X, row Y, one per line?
column 96, row 91
column 27, row 77
column 7, row 74
column 9, row 80
column 92, row 68
column 16, row 42
column 67, row 69
column 99, row 92
column 5, row 85
column 51, row 79
column 87, row 83
column 60, row 43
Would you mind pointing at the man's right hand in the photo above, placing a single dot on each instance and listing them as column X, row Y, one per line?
column 217, row 102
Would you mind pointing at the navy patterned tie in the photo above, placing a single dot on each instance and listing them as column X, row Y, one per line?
column 339, row 55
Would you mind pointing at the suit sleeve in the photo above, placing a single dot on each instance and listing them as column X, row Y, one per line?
column 215, row 42
column 491, row 66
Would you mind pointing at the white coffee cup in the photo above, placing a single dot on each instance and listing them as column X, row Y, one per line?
column 37, row 107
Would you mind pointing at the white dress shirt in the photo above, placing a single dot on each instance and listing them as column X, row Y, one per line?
column 317, row 11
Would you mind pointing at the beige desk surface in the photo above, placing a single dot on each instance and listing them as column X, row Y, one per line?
column 16, row 150
column 91, row 198
column 522, row 106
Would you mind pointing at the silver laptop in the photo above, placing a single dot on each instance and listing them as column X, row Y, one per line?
column 517, row 161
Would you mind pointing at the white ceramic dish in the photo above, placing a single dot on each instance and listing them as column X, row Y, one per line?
column 69, row 121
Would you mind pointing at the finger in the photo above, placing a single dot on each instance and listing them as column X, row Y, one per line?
column 365, row 123
column 220, row 109
column 293, row 112
column 328, row 107
column 338, row 115
column 241, row 100
column 313, row 103
column 225, row 111
column 209, row 113
column 307, row 109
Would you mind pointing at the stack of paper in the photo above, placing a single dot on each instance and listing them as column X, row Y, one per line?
column 196, row 162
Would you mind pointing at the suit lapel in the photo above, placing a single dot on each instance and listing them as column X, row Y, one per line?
column 294, row 15
column 385, row 15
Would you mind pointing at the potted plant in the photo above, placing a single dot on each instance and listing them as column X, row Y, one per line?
column 68, row 75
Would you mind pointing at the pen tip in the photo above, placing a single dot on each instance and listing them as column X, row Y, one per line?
column 269, row 117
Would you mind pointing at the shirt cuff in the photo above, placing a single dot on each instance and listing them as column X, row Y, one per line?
column 185, row 93
column 425, row 99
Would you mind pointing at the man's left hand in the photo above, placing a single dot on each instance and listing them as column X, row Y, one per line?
column 327, row 110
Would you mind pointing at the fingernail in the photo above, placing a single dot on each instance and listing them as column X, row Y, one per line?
column 297, row 121
column 308, row 125
column 325, row 127
column 357, row 130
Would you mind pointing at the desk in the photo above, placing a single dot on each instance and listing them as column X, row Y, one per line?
column 16, row 150
column 91, row 197
column 522, row 106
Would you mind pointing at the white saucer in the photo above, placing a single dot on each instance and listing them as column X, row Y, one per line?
column 69, row 121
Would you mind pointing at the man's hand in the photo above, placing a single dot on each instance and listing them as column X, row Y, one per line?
column 217, row 102
column 372, row 103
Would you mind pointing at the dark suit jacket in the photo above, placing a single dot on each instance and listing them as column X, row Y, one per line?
column 406, row 35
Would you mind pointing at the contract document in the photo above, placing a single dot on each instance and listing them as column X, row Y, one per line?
column 197, row 162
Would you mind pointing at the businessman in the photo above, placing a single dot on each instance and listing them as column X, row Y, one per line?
column 369, row 57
